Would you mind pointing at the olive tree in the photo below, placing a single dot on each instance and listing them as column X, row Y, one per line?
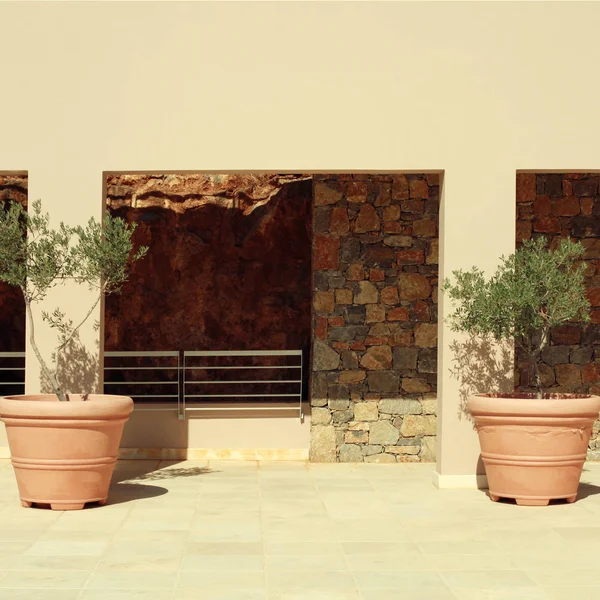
column 35, row 258
column 533, row 290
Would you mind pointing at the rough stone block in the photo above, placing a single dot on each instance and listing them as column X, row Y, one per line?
column 425, row 228
column 352, row 376
column 320, row 416
column 418, row 188
column 555, row 355
column 324, row 357
column 385, row 382
column 366, row 411
column 428, row 449
column 356, row 192
column 355, row 315
column 412, row 385
column 342, row 416
column 429, row 406
column 326, row 193
column 324, row 302
column 343, row 296
column 413, row 425
column 433, row 252
column 378, row 256
column 400, row 189
column 377, row 358
column 367, row 293
column 367, row 220
column 370, row 450
column 398, row 241
column 426, row 335
column 403, row 449
column 322, row 444
column 349, row 250
column 582, row 356
column 391, row 213
column 568, row 375
column 326, row 252
column 413, row 286
column 375, row 313
column 399, row 313
column 383, row 433
column 427, row 360
column 339, row 396
column 348, row 333
column 400, row 406
column 350, row 453
column 411, row 257
column 389, row 295
column 355, row 272
column 339, row 220
column 405, row 358
column 349, row 360
column 356, row 437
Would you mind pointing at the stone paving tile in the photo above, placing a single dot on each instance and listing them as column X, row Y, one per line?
column 218, row 530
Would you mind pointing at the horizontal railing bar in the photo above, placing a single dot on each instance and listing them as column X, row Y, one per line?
column 141, row 354
column 153, row 396
column 11, row 383
column 243, row 353
column 141, row 407
column 12, row 354
column 242, row 395
column 141, row 383
column 159, row 368
column 12, row 368
column 237, row 381
column 244, row 367
column 218, row 408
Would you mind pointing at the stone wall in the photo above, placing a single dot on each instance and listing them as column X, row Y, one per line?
column 560, row 205
column 375, row 276
column 12, row 307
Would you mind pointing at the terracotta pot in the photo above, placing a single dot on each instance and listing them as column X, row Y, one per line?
column 534, row 449
column 64, row 453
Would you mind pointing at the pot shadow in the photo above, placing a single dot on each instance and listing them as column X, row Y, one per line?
column 586, row 490
column 119, row 493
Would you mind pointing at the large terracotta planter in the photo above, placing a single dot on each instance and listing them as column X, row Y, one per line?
column 534, row 449
column 64, row 453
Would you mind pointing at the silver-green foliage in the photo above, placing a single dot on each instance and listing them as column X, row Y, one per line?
column 532, row 290
column 35, row 258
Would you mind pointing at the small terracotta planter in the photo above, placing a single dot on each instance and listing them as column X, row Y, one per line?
column 534, row 449
column 64, row 453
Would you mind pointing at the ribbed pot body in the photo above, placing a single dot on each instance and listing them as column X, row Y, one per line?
column 64, row 453
column 534, row 449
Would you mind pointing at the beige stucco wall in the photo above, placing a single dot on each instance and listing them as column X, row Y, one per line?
column 476, row 89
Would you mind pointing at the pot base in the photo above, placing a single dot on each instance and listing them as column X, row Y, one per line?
column 532, row 501
column 61, row 505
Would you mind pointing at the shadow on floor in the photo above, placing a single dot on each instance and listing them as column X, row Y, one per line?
column 127, row 492
column 145, row 470
column 171, row 473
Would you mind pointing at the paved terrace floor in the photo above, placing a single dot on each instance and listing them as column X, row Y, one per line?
column 296, row 531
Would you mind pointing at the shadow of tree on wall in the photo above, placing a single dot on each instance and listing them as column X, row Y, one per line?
column 78, row 369
column 481, row 366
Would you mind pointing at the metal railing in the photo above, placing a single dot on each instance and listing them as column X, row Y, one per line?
column 205, row 380
column 12, row 387
column 133, row 375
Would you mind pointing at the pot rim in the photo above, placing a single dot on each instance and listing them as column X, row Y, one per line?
column 48, row 406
